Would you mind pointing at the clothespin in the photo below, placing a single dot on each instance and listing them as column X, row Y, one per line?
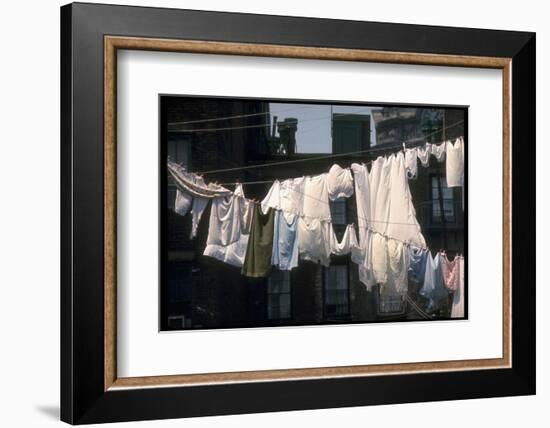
column 404, row 147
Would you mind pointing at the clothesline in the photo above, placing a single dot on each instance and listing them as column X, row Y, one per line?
column 238, row 116
column 229, row 128
column 352, row 224
column 255, row 236
column 330, row 220
column 331, row 156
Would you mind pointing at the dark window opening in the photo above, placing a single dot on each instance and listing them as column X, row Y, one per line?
column 336, row 287
column 278, row 295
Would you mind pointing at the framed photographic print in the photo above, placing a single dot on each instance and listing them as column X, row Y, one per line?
column 266, row 213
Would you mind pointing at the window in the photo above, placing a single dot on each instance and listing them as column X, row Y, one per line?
column 390, row 305
column 278, row 295
column 180, row 282
column 448, row 201
column 336, row 291
column 179, row 299
column 338, row 211
column 178, row 322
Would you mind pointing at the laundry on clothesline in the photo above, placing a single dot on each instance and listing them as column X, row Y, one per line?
column 451, row 153
column 454, row 162
column 293, row 222
column 229, row 228
column 259, row 250
column 193, row 193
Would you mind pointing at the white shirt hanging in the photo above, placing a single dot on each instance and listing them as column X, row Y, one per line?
column 411, row 163
column 339, row 183
column 314, row 238
column 315, row 197
column 439, row 151
column 287, row 196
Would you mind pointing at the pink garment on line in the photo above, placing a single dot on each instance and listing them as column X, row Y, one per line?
column 450, row 272
column 457, row 310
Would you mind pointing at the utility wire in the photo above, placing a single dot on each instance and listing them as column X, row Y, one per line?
column 331, row 156
column 238, row 116
column 230, row 128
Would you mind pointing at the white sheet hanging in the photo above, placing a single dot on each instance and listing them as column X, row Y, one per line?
column 380, row 192
column 401, row 223
column 229, row 228
column 384, row 206
column 362, row 254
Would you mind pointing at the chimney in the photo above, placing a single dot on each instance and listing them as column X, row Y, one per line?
column 287, row 134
